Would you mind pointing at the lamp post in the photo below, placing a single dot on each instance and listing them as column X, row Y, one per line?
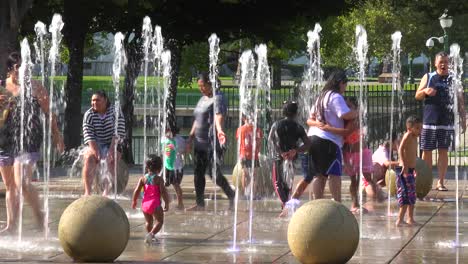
column 445, row 22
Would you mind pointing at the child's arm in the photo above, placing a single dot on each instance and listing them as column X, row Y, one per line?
column 164, row 194
column 136, row 192
column 401, row 152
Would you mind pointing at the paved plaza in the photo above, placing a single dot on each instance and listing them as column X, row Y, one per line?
column 206, row 237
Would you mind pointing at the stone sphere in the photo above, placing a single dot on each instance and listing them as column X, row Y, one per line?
column 423, row 179
column 263, row 178
column 390, row 181
column 94, row 229
column 323, row 231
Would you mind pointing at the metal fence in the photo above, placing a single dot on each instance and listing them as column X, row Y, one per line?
column 378, row 98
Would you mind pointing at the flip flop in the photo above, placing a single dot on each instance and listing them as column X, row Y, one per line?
column 441, row 189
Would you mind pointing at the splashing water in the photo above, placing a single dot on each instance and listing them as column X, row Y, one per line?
column 456, row 73
column 396, row 87
column 25, row 74
column 247, row 67
column 214, row 52
column 361, row 57
column 157, row 49
column 54, row 56
column 147, row 31
column 119, row 62
column 313, row 76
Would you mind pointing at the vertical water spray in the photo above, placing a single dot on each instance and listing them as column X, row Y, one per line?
column 262, row 82
column 166, row 74
column 147, row 31
column 361, row 57
column 54, row 56
column 396, row 87
column 25, row 72
column 456, row 73
column 214, row 52
column 157, row 49
column 313, row 76
column 247, row 70
column 119, row 62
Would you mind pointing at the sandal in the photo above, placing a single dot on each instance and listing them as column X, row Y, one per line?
column 441, row 188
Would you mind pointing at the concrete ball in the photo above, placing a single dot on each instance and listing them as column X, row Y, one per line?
column 423, row 178
column 390, row 181
column 323, row 231
column 263, row 178
column 93, row 229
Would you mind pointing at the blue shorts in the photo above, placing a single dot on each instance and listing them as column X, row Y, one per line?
column 437, row 137
column 6, row 159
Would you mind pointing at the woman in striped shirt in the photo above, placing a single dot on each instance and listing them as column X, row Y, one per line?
column 101, row 133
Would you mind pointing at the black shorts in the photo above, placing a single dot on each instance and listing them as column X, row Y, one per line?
column 174, row 177
column 325, row 157
column 246, row 163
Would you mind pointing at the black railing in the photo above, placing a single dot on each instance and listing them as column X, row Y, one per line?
column 378, row 98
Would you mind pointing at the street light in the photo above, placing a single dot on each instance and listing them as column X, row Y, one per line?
column 445, row 22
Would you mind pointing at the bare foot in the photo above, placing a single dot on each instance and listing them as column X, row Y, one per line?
column 284, row 213
column 180, row 207
column 196, row 208
column 412, row 223
column 400, row 223
column 355, row 210
column 9, row 230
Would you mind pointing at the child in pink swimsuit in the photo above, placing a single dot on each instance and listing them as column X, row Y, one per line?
column 153, row 186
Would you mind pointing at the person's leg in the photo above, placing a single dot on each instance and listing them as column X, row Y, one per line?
column 442, row 164
column 23, row 171
column 178, row 190
column 318, row 186
column 335, row 187
column 244, row 181
column 201, row 163
column 112, row 161
column 89, row 171
column 158, row 216
column 281, row 187
column 401, row 215
column 11, row 197
column 148, row 222
column 308, row 171
column 353, row 190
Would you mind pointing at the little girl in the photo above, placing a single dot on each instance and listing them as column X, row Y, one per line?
column 153, row 190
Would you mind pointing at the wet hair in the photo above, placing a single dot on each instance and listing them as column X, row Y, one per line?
column 13, row 59
column 333, row 85
column 103, row 94
column 205, row 78
column 413, row 120
column 441, row 54
column 153, row 163
column 353, row 100
column 290, row 109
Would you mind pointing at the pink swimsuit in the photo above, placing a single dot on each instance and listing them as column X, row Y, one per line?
column 152, row 196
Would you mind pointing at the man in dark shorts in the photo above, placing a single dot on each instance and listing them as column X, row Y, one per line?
column 438, row 117
column 284, row 137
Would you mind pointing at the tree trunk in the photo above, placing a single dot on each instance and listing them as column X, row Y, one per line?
column 176, row 56
column 132, row 69
column 76, row 27
column 276, row 62
column 11, row 15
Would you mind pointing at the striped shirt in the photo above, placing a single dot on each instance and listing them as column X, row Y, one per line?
column 101, row 128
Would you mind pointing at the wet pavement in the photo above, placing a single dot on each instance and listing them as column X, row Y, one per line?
column 206, row 237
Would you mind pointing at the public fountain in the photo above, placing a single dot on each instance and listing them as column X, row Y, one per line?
column 361, row 57
column 396, row 87
column 456, row 91
column 214, row 52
